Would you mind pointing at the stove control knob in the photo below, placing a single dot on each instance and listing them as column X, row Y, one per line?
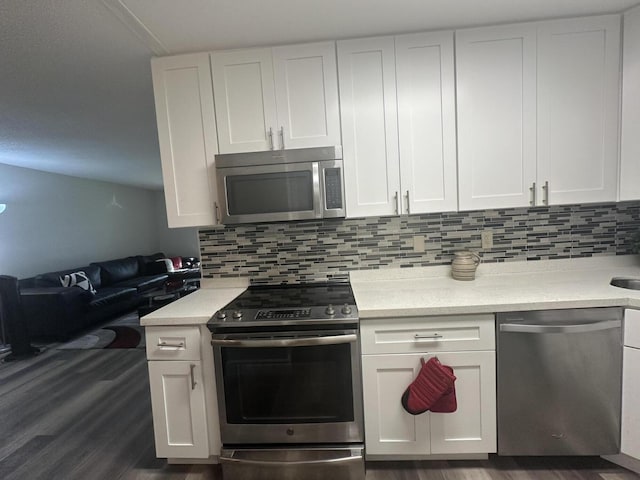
column 330, row 310
column 221, row 315
column 237, row 315
column 346, row 309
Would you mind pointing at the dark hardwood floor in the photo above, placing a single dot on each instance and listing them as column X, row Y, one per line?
column 86, row 415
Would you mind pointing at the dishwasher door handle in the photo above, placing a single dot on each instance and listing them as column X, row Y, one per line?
column 561, row 328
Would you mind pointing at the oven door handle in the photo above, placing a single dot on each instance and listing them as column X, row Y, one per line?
column 286, row 342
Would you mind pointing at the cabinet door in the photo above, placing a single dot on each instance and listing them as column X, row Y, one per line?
column 389, row 429
column 187, row 137
column 472, row 427
column 306, row 80
column 179, row 415
column 630, row 146
column 427, row 122
column 578, row 76
column 630, row 442
column 496, row 86
column 245, row 100
column 368, row 108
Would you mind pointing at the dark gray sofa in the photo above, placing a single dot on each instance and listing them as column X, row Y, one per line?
column 54, row 312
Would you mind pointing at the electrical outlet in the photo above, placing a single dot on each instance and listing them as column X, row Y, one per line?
column 418, row 244
column 487, row 239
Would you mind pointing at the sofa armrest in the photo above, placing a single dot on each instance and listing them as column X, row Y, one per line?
column 54, row 312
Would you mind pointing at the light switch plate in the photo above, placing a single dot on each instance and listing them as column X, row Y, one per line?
column 418, row 244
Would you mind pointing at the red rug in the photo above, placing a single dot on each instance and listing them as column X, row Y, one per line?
column 126, row 337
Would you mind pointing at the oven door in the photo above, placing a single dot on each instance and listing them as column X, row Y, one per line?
column 289, row 387
column 270, row 193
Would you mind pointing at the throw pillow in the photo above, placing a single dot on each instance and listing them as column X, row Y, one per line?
column 78, row 279
column 177, row 262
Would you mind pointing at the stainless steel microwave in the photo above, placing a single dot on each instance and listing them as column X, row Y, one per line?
column 273, row 186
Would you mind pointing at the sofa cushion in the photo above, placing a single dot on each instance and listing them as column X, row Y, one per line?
column 53, row 279
column 111, row 295
column 114, row 271
column 145, row 283
column 145, row 260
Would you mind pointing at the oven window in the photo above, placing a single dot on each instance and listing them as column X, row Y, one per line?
column 288, row 385
column 270, row 193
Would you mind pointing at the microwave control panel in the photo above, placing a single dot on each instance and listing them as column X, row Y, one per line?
column 333, row 188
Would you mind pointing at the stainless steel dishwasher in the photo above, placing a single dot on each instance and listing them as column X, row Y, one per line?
column 559, row 382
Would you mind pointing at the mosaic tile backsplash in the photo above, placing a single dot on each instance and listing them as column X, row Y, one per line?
column 326, row 250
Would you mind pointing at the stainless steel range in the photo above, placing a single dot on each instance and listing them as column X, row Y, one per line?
column 288, row 378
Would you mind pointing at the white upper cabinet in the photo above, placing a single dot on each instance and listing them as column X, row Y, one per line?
column 369, row 126
column 538, row 113
column 578, row 89
column 398, row 119
column 285, row 97
column 306, row 81
column 187, row 137
column 496, row 86
column 630, row 147
column 245, row 100
column 427, row 121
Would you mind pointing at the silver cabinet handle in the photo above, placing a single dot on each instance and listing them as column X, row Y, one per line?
column 408, row 208
column 545, row 190
column 532, row 189
column 397, row 200
column 270, row 138
column 561, row 328
column 281, row 138
column 217, row 212
column 162, row 344
column 435, row 336
column 193, row 378
column 286, row 342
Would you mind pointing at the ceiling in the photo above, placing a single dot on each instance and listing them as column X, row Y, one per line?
column 75, row 81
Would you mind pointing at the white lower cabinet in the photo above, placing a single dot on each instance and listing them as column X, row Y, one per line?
column 389, row 429
column 630, row 441
column 179, row 412
column 183, row 395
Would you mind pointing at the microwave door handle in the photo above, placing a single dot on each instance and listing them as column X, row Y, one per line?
column 286, row 342
column 317, row 197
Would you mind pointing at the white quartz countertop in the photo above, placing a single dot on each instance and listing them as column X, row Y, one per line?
column 498, row 287
column 194, row 309
column 418, row 291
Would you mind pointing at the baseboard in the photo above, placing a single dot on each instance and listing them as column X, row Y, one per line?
column 193, row 461
column 451, row 456
column 625, row 461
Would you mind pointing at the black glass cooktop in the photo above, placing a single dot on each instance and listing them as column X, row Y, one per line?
column 293, row 296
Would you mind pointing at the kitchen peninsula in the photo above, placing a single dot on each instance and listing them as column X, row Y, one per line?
column 177, row 333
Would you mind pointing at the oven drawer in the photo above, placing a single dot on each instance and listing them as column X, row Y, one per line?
column 173, row 343
column 428, row 334
column 338, row 463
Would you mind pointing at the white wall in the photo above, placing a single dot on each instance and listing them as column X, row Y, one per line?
column 54, row 221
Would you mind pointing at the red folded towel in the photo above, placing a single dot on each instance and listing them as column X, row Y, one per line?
column 434, row 381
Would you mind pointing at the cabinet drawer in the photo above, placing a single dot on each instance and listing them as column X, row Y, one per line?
column 428, row 334
column 632, row 328
column 173, row 343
